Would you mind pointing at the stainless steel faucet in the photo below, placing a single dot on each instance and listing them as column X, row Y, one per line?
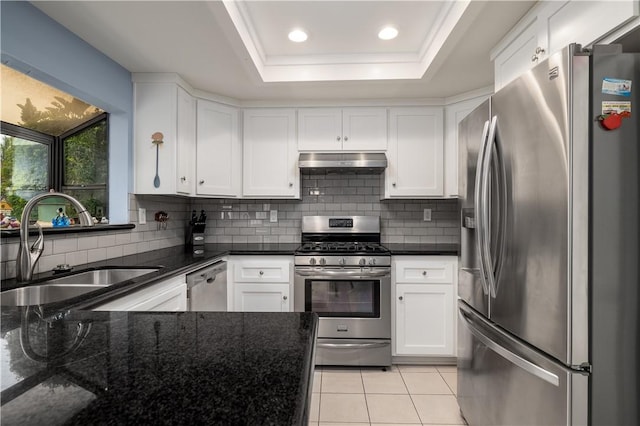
column 28, row 256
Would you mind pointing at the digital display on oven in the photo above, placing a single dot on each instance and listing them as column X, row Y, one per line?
column 340, row 223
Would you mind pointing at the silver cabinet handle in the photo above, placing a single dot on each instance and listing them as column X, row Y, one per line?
column 393, row 184
column 346, row 138
column 183, row 178
column 284, row 297
column 290, row 184
column 338, row 138
column 424, row 273
column 202, row 181
column 400, row 298
column 261, row 272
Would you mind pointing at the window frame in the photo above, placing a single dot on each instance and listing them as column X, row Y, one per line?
column 55, row 147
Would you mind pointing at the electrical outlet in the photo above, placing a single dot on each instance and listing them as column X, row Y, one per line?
column 142, row 216
column 273, row 216
column 426, row 215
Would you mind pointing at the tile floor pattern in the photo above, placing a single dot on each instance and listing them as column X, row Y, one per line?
column 404, row 394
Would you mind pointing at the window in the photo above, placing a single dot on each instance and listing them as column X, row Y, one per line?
column 50, row 140
column 75, row 163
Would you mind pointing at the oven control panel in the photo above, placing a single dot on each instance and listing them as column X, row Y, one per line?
column 344, row 261
column 340, row 223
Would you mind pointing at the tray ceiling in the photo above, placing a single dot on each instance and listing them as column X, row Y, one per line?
column 240, row 50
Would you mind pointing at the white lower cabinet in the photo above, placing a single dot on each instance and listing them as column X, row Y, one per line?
column 166, row 296
column 260, row 283
column 425, row 296
column 261, row 297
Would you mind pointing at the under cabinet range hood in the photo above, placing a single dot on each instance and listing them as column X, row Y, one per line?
column 342, row 162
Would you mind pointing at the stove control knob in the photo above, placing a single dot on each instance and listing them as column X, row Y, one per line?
column 362, row 262
column 323, row 261
column 312, row 261
column 342, row 261
column 372, row 261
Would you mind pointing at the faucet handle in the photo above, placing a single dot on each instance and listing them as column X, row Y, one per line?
column 38, row 246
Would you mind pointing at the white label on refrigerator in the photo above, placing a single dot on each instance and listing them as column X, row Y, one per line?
column 616, row 86
column 609, row 107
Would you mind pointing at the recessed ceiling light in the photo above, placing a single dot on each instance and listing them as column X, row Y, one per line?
column 388, row 33
column 298, row 36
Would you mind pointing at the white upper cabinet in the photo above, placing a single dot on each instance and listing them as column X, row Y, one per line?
column 270, row 156
column 342, row 129
column 166, row 108
column 415, row 153
column 219, row 151
column 550, row 26
column 454, row 113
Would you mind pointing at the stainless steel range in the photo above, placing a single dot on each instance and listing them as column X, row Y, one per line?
column 343, row 273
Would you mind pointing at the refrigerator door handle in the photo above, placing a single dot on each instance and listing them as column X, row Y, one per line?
column 493, row 151
column 527, row 366
column 479, row 208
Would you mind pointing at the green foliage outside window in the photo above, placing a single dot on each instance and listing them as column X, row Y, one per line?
column 25, row 164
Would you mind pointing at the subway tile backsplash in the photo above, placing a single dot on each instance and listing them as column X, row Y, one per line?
column 247, row 221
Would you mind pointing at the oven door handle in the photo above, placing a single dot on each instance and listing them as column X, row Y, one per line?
column 323, row 273
column 352, row 345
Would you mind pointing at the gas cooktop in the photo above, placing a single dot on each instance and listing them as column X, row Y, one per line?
column 342, row 248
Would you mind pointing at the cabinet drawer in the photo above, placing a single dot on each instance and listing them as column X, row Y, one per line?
column 424, row 272
column 150, row 297
column 257, row 272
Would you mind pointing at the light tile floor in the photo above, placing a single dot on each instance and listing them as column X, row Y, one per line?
column 404, row 394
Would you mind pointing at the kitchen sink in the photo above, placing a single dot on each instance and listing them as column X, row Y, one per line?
column 102, row 276
column 70, row 286
column 45, row 293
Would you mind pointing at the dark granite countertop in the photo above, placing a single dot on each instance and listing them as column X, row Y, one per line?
column 179, row 260
column 227, row 368
column 410, row 249
column 171, row 261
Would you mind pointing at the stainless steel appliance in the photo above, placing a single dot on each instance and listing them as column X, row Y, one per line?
column 549, row 328
column 207, row 288
column 343, row 273
column 369, row 162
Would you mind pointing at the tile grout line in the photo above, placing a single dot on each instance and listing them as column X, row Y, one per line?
column 411, row 397
column 364, row 392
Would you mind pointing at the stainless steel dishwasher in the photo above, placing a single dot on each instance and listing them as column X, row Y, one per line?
column 207, row 288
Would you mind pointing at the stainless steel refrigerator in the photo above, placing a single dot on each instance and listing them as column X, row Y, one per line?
column 548, row 324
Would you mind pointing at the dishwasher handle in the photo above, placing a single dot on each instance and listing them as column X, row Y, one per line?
column 206, row 275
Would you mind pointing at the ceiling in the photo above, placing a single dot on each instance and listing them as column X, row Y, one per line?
column 240, row 50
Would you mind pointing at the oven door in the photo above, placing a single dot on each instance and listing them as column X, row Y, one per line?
column 352, row 303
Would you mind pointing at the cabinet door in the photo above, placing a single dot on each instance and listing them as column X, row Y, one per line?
column 155, row 110
column 415, row 153
column 516, row 58
column 270, row 160
column 319, row 129
column 424, row 319
column 219, row 161
column 186, row 142
column 454, row 114
column 261, row 297
column 174, row 300
column 170, row 295
column 584, row 22
column 364, row 129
